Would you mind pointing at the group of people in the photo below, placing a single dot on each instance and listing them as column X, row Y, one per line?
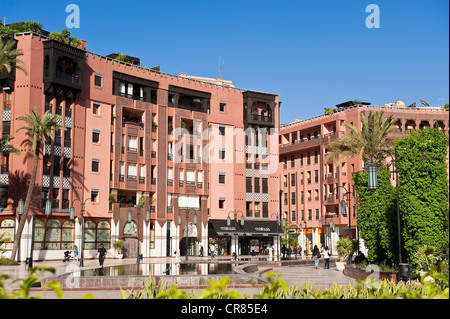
column 317, row 255
column 288, row 251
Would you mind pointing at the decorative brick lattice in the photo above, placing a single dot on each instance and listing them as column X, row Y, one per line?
column 58, row 150
column 6, row 116
column 56, row 181
column 67, row 152
column 46, row 181
column 4, row 180
column 68, row 122
column 66, row 182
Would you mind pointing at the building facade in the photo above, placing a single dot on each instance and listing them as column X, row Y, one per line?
column 147, row 157
column 312, row 189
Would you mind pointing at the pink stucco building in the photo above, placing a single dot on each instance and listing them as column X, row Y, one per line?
column 160, row 149
column 312, row 188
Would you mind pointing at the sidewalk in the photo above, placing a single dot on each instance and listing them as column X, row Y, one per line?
column 292, row 275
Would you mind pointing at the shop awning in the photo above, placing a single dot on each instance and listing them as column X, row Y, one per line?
column 251, row 228
column 219, row 227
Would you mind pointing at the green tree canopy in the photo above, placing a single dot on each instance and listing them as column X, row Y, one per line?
column 367, row 143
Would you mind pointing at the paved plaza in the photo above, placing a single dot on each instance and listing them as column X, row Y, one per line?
column 292, row 275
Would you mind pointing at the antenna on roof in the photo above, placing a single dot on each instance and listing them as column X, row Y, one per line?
column 221, row 68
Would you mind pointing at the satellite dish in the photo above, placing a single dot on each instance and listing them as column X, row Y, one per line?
column 424, row 103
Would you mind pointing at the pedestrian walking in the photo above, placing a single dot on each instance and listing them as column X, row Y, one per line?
column 211, row 248
column 316, row 256
column 270, row 252
column 295, row 252
column 101, row 252
column 253, row 252
column 283, row 250
column 326, row 256
column 300, row 251
column 201, row 250
column 289, row 251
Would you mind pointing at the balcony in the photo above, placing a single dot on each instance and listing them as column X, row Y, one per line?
column 299, row 145
column 63, row 69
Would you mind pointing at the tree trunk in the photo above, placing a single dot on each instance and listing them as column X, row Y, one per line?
column 27, row 203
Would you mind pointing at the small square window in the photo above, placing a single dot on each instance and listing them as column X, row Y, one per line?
column 221, row 203
column 96, row 137
column 95, row 165
column 98, row 80
column 222, row 153
column 96, row 109
column 94, row 196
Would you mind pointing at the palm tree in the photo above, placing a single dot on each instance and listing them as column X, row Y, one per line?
column 368, row 144
column 9, row 55
column 40, row 131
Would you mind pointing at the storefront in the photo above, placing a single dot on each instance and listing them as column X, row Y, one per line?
column 260, row 234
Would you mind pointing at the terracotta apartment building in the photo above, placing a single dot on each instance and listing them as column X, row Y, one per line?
column 145, row 154
column 312, row 189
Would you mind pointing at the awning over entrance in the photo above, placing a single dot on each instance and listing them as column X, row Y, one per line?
column 251, row 228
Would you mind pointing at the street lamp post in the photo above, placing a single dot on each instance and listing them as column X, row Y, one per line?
column 235, row 212
column 187, row 229
column 279, row 237
column 72, row 215
column 130, row 219
column 372, row 185
column 344, row 211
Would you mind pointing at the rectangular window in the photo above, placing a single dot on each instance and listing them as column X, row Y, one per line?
column 309, row 214
column 199, row 179
column 98, row 80
column 222, row 153
column 190, row 177
column 95, row 165
column 257, row 186
column 317, row 213
column 96, row 136
column 95, row 198
column 248, row 184
column 132, row 143
column 96, row 108
column 265, row 207
column 222, row 130
column 222, row 106
column 293, row 198
column 221, row 203
column 132, row 171
column 221, row 178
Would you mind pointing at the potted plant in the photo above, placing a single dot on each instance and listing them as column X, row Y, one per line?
column 345, row 248
column 118, row 248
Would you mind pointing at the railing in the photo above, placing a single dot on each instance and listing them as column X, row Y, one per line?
column 125, row 122
column 71, row 78
column 263, row 118
column 131, row 96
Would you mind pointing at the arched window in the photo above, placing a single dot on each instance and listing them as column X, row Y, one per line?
column 53, row 234
column 7, row 234
column 39, row 234
column 96, row 234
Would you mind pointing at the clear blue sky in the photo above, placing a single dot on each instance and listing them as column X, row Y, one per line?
column 314, row 54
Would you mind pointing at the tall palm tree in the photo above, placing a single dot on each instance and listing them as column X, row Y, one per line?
column 369, row 143
column 9, row 55
column 40, row 131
